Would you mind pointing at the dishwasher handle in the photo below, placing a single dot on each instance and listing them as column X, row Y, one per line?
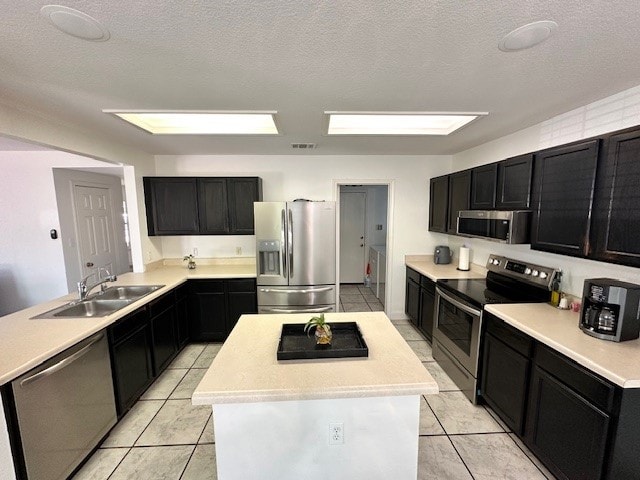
column 62, row 363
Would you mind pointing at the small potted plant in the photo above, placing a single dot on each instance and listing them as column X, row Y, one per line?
column 323, row 332
column 192, row 261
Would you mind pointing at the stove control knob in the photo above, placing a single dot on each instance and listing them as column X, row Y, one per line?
column 543, row 275
column 527, row 271
column 535, row 273
column 496, row 261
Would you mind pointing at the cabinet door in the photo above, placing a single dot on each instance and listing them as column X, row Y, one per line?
column 131, row 362
column 438, row 204
column 567, row 432
column 514, row 183
column 172, row 205
column 459, row 192
column 241, row 298
column 212, row 206
column 616, row 232
column 412, row 302
column 505, row 377
column 163, row 334
column 564, row 181
column 427, row 307
column 182, row 322
column 207, row 311
column 483, row 187
column 242, row 192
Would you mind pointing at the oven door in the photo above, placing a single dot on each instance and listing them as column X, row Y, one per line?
column 457, row 328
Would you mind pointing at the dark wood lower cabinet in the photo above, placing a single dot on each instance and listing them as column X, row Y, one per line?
column 131, row 362
column 216, row 305
column 565, row 430
column 412, row 302
column 163, row 334
column 427, row 307
column 505, row 382
column 182, row 319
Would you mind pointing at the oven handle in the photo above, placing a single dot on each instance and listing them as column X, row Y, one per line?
column 460, row 305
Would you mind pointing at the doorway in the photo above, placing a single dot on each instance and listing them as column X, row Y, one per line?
column 362, row 245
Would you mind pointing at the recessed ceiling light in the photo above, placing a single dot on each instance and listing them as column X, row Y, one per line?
column 179, row 122
column 76, row 23
column 527, row 36
column 398, row 123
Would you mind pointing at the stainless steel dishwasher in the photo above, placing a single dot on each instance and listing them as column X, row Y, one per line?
column 64, row 407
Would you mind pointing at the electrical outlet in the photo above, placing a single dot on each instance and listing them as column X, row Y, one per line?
column 238, row 250
column 149, row 255
column 336, row 434
column 195, row 251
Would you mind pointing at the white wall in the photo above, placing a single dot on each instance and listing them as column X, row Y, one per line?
column 313, row 177
column 31, row 263
column 20, row 122
column 612, row 113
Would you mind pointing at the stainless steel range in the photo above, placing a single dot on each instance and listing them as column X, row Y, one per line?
column 460, row 306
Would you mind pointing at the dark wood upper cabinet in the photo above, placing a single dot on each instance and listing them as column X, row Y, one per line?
column 172, row 205
column 242, row 192
column 212, row 206
column 616, row 227
column 564, row 182
column 483, row 187
column 201, row 205
column 438, row 204
column 459, row 193
column 513, row 191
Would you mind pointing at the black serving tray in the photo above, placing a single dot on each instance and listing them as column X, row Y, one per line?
column 347, row 341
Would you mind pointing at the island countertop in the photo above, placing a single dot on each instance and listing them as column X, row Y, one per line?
column 246, row 369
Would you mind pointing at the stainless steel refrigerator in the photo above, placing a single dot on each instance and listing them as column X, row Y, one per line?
column 296, row 256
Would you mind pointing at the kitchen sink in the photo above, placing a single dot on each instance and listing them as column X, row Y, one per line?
column 131, row 292
column 101, row 304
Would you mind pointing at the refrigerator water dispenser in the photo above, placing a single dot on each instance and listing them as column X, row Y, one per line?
column 269, row 257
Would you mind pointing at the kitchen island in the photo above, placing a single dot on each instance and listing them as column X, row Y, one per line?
column 350, row 418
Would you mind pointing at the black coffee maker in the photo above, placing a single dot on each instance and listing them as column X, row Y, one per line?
column 610, row 309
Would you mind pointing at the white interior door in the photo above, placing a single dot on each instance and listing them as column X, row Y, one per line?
column 352, row 232
column 96, row 240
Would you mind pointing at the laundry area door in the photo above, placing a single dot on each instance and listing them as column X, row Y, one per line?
column 96, row 239
column 352, row 236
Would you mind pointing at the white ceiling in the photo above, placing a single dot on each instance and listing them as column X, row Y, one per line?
column 302, row 57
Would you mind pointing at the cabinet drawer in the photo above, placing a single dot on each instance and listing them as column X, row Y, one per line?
column 125, row 326
column 514, row 338
column 413, row 275
column 241, row 285
column 159, row 305
column 594, row 389
column 206, row 286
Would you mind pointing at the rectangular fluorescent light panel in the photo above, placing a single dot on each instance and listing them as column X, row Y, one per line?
column 201, row 123
column 378, row 123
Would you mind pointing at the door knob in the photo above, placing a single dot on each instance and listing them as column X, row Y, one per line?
column 361, row 238
column 362, row 244
column 89, row 264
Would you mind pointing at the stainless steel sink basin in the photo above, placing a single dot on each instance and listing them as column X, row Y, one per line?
column 101, row 304
column 86, row 308
column 131, row 292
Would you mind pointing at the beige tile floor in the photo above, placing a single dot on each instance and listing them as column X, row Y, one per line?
column 165, row 437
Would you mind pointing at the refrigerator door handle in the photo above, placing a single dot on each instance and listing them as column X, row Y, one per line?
column 311, row 290
column 299, row 310
column 290, row 228
column 283, row 250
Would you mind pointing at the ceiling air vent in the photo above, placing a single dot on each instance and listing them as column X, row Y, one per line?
column 303, row 146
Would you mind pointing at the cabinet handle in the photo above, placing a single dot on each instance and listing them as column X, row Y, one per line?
column 89, row 264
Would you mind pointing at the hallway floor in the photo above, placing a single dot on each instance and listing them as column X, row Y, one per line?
column 165, row 437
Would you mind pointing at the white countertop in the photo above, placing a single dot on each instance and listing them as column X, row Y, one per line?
column 26, row 343
column 617, row 362
column 424, row 264
column 246, row 369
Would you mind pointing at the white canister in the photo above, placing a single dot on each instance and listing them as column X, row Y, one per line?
column 463, row 258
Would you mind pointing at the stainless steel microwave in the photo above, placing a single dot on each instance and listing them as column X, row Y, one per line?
column 495, row 225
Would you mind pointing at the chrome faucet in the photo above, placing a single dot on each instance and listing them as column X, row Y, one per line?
column 84, row 290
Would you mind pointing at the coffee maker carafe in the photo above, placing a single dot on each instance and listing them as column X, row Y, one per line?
column 610, row 309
